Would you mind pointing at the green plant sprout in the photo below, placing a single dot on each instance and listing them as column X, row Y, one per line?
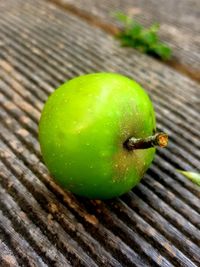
column 145, row 40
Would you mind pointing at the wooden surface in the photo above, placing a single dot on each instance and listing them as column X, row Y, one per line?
column 179, row 24
column 158, row 222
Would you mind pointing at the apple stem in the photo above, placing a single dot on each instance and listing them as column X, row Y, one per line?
column 159, row 139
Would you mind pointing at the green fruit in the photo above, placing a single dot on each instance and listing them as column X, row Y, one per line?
column 83, row 129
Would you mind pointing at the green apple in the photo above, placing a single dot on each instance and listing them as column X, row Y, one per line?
column 95, row 134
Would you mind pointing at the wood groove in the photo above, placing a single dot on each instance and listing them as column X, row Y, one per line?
column 122, row 235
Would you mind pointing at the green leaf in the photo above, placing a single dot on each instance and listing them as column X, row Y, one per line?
column 154, row 27
column 150, row 38
column 145, row 40
column 125, row 39
column 135, row 31
column 162, row 50
column 121, row 17
column 193, row 176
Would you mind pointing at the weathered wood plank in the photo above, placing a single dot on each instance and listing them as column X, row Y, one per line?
column 157, row 224
column 179, row 23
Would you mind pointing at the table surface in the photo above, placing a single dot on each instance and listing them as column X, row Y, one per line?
column 155, row 224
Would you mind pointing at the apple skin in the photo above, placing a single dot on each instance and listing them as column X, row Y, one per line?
column 82, row 131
